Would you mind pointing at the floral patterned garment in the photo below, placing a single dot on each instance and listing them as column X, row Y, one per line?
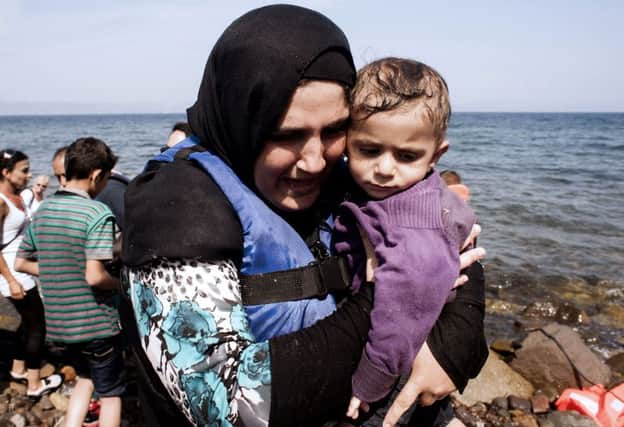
column 196, row 335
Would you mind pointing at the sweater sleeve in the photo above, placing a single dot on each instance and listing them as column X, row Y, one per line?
column 416, row 271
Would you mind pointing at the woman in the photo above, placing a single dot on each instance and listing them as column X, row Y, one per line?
column 20, row 288
column 249, row 195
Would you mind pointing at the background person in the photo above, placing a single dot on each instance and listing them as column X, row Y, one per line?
column 34, row 196
column 78, row 292
column 20, row 288
column 58, row 165
column 194, row 229
column 179, row 132
column 112, row 195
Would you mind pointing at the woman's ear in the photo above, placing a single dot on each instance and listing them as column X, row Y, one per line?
column 442, row 148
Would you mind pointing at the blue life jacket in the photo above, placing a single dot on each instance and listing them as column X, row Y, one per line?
column 269, row 244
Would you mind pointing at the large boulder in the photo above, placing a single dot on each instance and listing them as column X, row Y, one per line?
column 496, row 379
column 548, row 358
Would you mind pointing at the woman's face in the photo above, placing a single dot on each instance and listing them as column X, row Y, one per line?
column 300, row 155
column 19, row 176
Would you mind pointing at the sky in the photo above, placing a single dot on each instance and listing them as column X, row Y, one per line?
column 147, row 56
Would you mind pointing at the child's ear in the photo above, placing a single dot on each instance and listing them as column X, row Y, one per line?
column 442, row 148
column 95, row 175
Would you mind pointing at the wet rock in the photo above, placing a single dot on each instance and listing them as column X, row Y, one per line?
column 495, row 379
column 570, row 314
column 504, row 347
column 520, row 403
column 464, row 414
column 540, row 310
column 611, row 315
column 566, row 419
column 616, row 363
column 501, row 403
column 549, row 390
column 497, row 306
column 566, row 313
column 522, row 419
column 542, row 362
column 540, row 404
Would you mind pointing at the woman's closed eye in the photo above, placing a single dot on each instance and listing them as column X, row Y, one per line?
column 287, row 136
column 333, row 132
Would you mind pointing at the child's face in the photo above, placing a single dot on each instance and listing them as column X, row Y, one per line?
column 391, row 151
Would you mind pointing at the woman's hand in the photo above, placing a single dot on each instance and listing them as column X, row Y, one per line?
column 16, row 288
column 427, row 383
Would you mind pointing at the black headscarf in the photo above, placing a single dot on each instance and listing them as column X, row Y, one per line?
column 252, row 72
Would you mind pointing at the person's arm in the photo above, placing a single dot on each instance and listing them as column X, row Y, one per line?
column 311, row 369
column 99, row 249
column 29, row 266
column 96, row 275
column 194, row 331
column 15, row 287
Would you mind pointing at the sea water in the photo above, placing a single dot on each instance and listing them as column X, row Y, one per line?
column 548, row 188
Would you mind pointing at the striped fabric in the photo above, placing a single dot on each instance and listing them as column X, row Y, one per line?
column 67, row 230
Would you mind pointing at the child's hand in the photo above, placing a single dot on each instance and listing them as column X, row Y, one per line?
column 354, row 406
column 470, row 256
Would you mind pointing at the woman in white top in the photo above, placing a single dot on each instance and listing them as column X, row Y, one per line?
column 20, row 288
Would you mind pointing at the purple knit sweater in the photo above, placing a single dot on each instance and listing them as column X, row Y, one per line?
column 417, row 235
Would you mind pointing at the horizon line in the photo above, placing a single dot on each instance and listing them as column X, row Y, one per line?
column 183, row 113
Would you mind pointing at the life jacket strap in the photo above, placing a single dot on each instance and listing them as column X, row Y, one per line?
column 316, row 280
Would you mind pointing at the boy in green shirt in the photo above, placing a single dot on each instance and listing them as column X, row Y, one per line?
column 66, row 245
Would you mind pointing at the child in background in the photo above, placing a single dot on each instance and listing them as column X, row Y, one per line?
column 404, row 212
column 67, row 243
column 454, row 183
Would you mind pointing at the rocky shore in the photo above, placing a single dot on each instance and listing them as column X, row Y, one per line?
column 546, row 334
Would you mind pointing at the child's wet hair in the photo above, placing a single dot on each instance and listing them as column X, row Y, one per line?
column 390, row 83
column 86, row 155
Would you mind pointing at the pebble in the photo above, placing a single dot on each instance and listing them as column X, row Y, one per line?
column 516, row 403
column 18, row 420
column 59, row 401
column 504, row 347
column 540, row 404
